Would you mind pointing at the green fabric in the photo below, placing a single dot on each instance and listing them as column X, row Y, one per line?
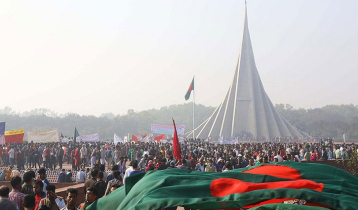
column 281, row 206
column 76, row 135
column 111, row 201
column 178, row 187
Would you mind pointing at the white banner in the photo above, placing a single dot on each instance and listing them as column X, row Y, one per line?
column 181, row 139
column 117, row 139
column 42, row 137
column 125, row 138
column 88, row 138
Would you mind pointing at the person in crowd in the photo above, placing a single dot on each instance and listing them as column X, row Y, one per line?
column 143, row 163
column 16, row 195
column 81, row 176
column 11, row 154
column 77, row 159
column 201, row 165
column 62, row 176
column 15, row 172
column 52, row 200
column 47, row 155
column 69, row 176
column 135, row 169
column 20, row 159
column 94, row 153
column 83, row 155
column 6, row 174
column 102, row 156
column 122, row 166
column 42, row 177
column 128, row 171
column 93, row 181
column 29, row 202
column 71, row 199
column 35, row 158
column 113, row 188
column 91, row 196
column 60, row 155
column 39, row 193
column 117, row 180
column 27, row 187
column 103, row 170
column 109, row 156
column 5, row 203
column 210, row 167
column 228, row 166
column 111, row 175
column 100, row 185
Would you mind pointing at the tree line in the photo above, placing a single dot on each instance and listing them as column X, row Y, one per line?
column 331, row 121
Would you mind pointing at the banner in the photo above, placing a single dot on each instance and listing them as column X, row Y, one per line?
column 2, row 132
column 117, row 139
column 14, row 136
column 167, row 129
column 125, row 138
column 158, row 138
column 43, row 137
column 148, row 138
column 88, row 138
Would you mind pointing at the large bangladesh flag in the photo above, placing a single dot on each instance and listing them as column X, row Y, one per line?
column 268, row 186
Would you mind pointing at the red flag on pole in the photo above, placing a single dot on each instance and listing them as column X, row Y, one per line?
column 135, row 139
column 176, row 145
column 158, row 138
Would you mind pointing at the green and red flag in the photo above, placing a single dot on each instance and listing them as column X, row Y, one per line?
column 191, row 88
column 267, row 186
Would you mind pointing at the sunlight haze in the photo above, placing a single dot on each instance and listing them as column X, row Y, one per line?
column 91, row 57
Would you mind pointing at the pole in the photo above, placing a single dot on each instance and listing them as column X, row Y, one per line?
column 194, row 112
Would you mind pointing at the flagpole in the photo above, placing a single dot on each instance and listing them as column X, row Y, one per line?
column 194, row 112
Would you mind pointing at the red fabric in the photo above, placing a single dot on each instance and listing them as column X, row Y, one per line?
column 77, row 157
column 134, row 138
column 18, row 138
column 158, row 138
column 48, row 152
column 277, row 171
column 226, row 186
column 37, row 201
column 176, row 145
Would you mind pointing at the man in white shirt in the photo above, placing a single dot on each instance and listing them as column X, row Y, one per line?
column 12, row 157
column 103, row 155
column 83, row 152
column 128, row 171
column 81, row 176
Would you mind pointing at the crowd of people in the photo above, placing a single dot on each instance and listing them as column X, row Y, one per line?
column 90, row 160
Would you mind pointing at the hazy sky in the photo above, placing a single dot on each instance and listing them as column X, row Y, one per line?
column 93, row 57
